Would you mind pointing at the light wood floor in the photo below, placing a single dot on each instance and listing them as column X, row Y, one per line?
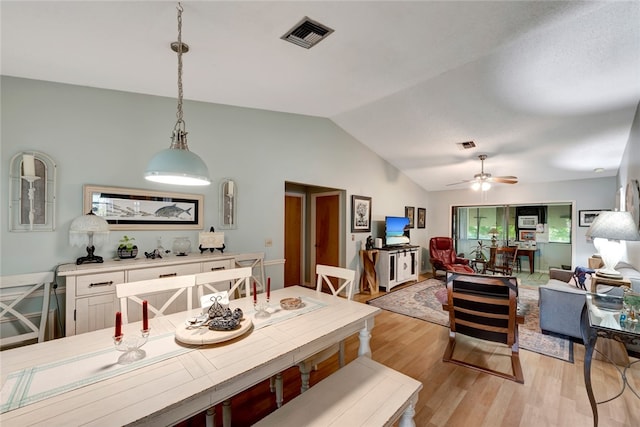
column 553, row 393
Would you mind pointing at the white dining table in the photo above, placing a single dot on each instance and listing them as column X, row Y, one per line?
column 177, row 387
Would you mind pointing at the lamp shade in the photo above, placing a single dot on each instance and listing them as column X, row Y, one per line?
column 614, row 226
column 177, row 166
column 493, row 230
column 88, row 226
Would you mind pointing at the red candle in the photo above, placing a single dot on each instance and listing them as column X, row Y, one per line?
column 255, row 293
column 268, row 287
column 118, row 324
column 145, row 315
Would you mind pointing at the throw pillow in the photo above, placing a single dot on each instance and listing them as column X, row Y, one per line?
column 581, row 274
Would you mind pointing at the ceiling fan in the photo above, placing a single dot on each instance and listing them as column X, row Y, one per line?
column 482, row 181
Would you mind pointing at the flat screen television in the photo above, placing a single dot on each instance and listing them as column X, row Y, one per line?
column 396, row 231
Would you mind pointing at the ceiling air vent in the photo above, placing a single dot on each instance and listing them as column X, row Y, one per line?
column 307, row 33
column 466, row 145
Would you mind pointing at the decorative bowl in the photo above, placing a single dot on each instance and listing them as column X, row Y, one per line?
column 291, row 303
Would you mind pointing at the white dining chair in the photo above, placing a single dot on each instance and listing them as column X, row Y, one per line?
column 146, row 289
column 256, row 262
column 236, row 281
column 16, row 290
column 338, row 281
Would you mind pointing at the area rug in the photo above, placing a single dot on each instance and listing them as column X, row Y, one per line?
column 419, row 301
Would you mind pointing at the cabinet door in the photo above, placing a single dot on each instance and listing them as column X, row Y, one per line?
column 403, row 266
column 96, row 312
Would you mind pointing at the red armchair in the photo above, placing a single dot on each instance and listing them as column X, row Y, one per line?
column 442, row 256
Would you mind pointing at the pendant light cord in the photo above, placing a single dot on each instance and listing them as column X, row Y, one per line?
column 180, row 93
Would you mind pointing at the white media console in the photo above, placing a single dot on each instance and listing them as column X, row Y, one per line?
column 398, row 265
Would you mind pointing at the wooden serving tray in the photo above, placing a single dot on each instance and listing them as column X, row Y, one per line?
column 204, row 335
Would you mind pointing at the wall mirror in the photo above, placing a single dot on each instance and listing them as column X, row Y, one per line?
column 32, row 192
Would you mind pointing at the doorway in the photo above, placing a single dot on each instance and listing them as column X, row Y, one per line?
column 314, row 231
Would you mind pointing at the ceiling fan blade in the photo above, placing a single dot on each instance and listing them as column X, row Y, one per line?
column 505, row 179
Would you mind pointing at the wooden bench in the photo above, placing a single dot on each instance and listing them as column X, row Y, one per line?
column 363, row 393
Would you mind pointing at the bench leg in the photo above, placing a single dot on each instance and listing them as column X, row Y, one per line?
column 406, row 420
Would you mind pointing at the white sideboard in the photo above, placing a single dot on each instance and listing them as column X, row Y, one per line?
column 397, row 266
column 91, row 292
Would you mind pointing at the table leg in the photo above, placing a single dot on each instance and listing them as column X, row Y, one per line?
column 589, row 337
column 365, row 337
column 531, row 262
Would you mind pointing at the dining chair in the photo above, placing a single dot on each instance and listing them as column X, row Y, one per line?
column 230, row 280
column 148, row 289
column 503, row 260
column 256, row 262
column 486, row 308
column 338, row 280
column 16, row 291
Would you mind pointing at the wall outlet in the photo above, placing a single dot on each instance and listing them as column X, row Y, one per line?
column 268, row 242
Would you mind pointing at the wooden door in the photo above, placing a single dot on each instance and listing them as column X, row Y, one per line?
column 327, row 230
column 293, row 235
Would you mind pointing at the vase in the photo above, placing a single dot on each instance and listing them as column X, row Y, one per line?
column 181, row 246
column 124, row 253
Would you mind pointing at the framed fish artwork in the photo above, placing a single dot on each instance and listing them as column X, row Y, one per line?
column 135, row 209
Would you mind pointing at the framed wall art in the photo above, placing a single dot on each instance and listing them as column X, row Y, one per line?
column 585, row 218
column 409, row 212
column 422, row 218
column 633, row 200
column 360, row 214
column 527, row 221
column 134, row 209
column 527, row 235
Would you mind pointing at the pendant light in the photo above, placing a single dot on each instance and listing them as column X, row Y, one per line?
column 177, row 165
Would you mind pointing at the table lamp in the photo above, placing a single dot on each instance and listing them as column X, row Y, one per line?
column 493, row 232
column 607, row 231
column 89, row 230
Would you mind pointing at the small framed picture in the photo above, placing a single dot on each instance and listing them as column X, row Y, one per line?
column 527, row 221
column 409, row 212
column 586, row 218
column 360, row 214
column 527, row 235
column 422, row 218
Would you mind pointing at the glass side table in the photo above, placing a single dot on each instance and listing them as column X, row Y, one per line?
column 601, row 318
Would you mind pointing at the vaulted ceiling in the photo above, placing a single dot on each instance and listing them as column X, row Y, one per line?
column 547, row 89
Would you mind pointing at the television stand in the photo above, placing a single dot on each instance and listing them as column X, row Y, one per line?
column 397, row 265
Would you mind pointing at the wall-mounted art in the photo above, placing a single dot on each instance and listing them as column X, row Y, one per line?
column 360, row 214
column 135, row 209
column 422, row 218
column 228, row 204
column 585, row 218
column 409, row 212
column 32, row 192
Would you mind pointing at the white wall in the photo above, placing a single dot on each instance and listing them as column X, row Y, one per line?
column 630, row 169
column 588, row 194
column 106, row 138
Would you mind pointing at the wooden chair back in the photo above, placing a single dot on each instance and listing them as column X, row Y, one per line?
column 16, row 290
column 342, row 279
column 138, row 291
column 503, row 260
column 484, row 307
column 234, row 280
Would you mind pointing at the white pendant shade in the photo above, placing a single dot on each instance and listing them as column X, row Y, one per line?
column 178, row 167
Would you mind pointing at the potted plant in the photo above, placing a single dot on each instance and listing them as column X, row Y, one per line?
column 478, row 252
column 126, row 248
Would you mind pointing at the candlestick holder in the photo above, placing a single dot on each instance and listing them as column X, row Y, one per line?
column 130, row 347
column 31, row 194
column 261, row 309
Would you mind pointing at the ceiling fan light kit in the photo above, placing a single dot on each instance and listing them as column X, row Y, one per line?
column 482, row 181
